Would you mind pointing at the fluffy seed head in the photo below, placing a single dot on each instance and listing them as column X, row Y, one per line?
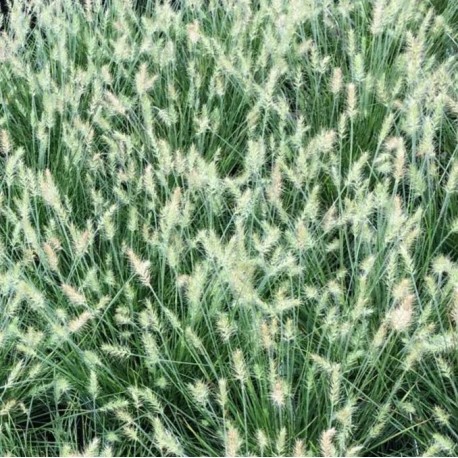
column 280, row 443
column 140, row 268
column 233, row 441
column 299, row 448
column 73, row 295
column 279, row 393
column 401, row 316
column 79, row 322
column 199, row 392
column 240, row 369
column 351, row 100
column 193, row 30
column 51, row 257
column 262, row 440
column 336, row 81
column 222, row 392
column 165, row 441
column 326, row 445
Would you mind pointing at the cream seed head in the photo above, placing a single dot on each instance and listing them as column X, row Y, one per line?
column 336, row 81
column 279, row 393
column 378, row 13
column 454, row 306
column 239, row 366
column 402, row 289
column 351, row 101
column 226, row 327
column 143, row 82
column 441, row 416
column 266, row 336
column 299, row 448
column 51, row 257
column 193, row 31
column 73, row 295
column 440, row 444
column 326, row 443
column 93, row 387
column 262, row 440
column 354, row 450
column 50, row 192
column 335, row 384
column 442, row 264
column 140, row 268
column 116, row 351
column 152, row 351
column 5, row 142
column 280, row 443
column 165, row 441
column 199, row 392
column 233, row 442
column 81, row 241
column 222, row 392
column 79, row 322
column 14, row 373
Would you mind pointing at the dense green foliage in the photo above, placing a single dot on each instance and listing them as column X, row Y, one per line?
column 229, row 228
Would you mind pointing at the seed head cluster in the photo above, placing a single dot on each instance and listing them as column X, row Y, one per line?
column 229, row 228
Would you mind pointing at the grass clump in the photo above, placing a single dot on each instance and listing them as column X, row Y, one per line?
column 229, row 228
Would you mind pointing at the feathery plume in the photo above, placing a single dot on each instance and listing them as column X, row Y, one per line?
column 280, row 443
column 199, row 392
column 262, row 440
column 222, row 392
column 326, row 445
column 5, row 142
column 165, row 441
column 193, row 30
column 279, row 393
column 336, row 81
column 51, row 257
column 401, row 316
column 73, row 295
column 79, row 322
column 143, row 83
column 351, row 101
column 233, row 441
column 378, row 11
column 240, row 369
column 299, row 448
column 140, row 268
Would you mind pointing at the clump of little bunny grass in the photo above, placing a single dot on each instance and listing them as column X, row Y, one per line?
column 229, row 228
